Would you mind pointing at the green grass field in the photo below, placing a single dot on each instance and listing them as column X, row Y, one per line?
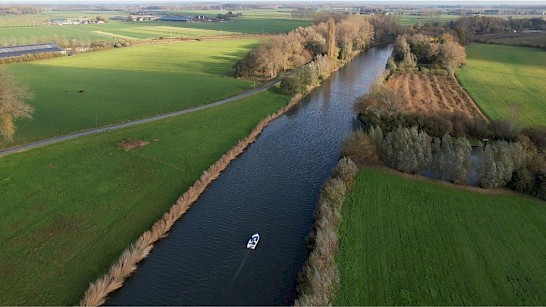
column 29, row 29
column 415, row 242
column 507, row 81
column 411, row 20
column 69, row 210
column 125, row 83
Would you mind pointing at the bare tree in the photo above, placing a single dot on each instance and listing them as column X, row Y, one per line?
column 331, row 40
column 13, row 104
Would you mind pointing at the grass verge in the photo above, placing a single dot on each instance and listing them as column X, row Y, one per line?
column 415, row 242
column 507, row 82
column 70, row 209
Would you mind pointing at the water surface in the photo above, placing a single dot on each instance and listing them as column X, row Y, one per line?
column 272, row 188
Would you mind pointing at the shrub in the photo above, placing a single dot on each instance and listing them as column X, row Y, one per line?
column 290, row 85
column 437, row 126
column 345, row 170
column 537, row 135
column 360, row 149
column 504, row 129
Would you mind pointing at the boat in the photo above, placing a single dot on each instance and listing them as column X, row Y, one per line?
column 253, row 241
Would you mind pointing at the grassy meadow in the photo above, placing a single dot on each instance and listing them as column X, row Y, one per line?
column 85, row 200
column 407, row 241
column 507, row 82
column 95, row 89
column 411, row 20
column 28, row 29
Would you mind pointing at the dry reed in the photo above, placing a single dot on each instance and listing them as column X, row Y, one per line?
column 98, row 291
column 320, row 278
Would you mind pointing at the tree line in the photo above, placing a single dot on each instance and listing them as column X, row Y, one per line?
column 468, row 27
column 19, row 10
column 337, row 39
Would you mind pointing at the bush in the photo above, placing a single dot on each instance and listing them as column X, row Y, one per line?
column 290, row 85
column 537, row 135
column 437, row 126
column 345, row 170
column 504, row 129
column 360, row 149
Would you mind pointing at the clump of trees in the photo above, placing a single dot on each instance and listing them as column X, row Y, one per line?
column 517, row 165
column 467, row 28
column 20, row 10
column 417, row 49
column 339, row 38
column 13, row 98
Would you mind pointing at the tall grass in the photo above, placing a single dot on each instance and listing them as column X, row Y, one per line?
column 98, row 291
column 320, row 278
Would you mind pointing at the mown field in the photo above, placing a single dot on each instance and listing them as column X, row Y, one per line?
column 537, row 40
column 507, row 82
column 28, row 29
column 69, row 210
column 95, row 89
column 415, row 242
column 411, row 20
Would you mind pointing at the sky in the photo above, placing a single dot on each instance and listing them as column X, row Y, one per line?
column 237, row 1
column 476, row 2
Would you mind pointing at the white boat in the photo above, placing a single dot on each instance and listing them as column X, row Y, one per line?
column 253, row 241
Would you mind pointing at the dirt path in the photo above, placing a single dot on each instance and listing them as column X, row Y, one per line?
column 71, row 136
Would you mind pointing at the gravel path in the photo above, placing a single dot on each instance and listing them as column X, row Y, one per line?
column 70, row 136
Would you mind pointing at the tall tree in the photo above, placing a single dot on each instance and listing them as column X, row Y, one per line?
column 12, row 104
column 331, row 41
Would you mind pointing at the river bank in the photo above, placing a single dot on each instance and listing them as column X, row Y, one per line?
column 271, row 188
column 99, row 290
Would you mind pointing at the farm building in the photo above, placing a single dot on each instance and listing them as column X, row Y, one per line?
column 14, row 51
column 176, row 18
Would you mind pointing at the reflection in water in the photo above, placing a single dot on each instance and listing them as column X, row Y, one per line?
column 272, row 188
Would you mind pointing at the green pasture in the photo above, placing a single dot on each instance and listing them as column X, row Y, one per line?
column 411, row 20
column 251, row 25
column 29, row 29
column 507, row 82
column 41, row 34
column 69, row 210
column 158, row 30
column 100, row 88
column 416, row 242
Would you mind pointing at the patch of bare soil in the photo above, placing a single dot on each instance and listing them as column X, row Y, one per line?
column 131, row 144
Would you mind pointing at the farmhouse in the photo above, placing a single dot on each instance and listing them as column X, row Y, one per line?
column 176, row 18
column 14, row 51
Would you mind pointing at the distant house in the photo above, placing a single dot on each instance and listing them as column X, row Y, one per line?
column 146, row 17
column 176, row 18
column 61, row 22
column 14, row 51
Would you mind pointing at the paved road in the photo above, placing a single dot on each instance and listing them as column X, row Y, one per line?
column 70, row 136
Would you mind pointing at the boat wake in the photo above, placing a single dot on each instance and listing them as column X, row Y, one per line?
column 241, row 266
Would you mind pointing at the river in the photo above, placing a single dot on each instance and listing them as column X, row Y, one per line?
column 272, row 188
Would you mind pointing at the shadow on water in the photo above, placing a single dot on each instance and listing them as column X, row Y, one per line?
column 272, row 188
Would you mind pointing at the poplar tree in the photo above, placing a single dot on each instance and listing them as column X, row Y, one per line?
column 331, row 41
column 461, row 166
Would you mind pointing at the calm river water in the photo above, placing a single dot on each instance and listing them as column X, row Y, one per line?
column 272, row 188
